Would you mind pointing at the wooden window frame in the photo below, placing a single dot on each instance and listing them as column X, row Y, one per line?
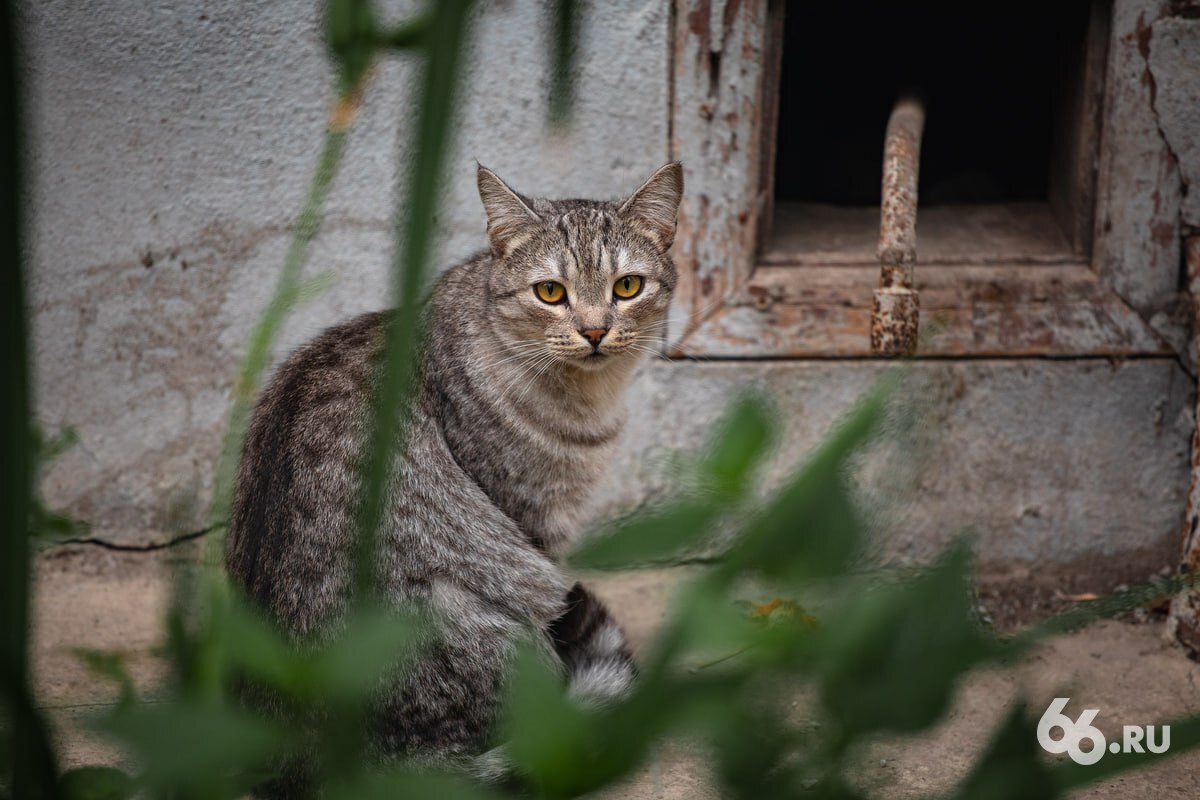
column 724, row 75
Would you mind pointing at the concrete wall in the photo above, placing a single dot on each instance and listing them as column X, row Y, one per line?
column 171, row 144
column 1052, row 466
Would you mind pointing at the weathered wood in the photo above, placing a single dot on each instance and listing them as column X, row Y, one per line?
column 768, row 135
column 970, row 311
column 718, row 64
column 723, row 61
column 1076, row 144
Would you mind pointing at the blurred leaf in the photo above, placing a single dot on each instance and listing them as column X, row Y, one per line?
column 744, row 437
column 186, row 742
column 666, row 534
column 754, row 754
column 196, row 632
column 96, row 783
column 257, row 647
column 109, row 665
column 47, row 448
column 708, row 633
column 44, row 523
column 650, row 538
column 565, row 750
column 312, row 288
column 811, row 527
column 893, row 656
column 412, row 786
column 350, row 667
column 1011, row 768
column 347, row 668
column 53, row 526
column 713, row 629
column 549, row 737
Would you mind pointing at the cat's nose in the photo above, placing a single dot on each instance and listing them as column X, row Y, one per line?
column 593, row 335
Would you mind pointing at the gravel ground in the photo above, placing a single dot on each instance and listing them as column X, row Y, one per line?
column 87, row 597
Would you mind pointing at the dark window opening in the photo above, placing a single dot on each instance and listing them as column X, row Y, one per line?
column 1002, row 86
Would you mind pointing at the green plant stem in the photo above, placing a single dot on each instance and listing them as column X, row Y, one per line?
column 562, row 46
column 28, row 760
column 406, row 35
column 1106, row 607
column 444, row 40
column 263, row 338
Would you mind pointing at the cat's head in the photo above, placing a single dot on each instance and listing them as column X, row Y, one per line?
column 579, row 282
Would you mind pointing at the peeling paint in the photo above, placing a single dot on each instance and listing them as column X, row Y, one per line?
column 719, row 147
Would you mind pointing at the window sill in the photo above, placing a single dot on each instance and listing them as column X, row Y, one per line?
column 967, row 310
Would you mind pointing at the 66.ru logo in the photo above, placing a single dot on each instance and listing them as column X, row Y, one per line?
column 1074, row 733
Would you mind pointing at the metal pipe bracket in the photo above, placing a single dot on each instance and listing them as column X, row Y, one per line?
column 895, row 311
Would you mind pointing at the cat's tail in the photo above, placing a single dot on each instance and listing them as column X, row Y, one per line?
column 599, row 665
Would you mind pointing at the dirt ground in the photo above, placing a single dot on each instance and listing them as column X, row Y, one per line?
column 87, row 597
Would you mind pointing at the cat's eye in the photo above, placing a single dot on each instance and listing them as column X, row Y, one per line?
column 627, row 287
column 550, row 292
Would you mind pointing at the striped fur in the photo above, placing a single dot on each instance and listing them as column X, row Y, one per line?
column 592, row 646
column 516, row 415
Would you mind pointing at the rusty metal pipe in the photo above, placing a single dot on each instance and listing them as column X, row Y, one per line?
column 895, row 313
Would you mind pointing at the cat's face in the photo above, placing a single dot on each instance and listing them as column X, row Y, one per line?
column 580, row 283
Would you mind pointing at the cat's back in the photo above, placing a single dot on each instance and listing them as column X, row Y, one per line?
column 298, row 470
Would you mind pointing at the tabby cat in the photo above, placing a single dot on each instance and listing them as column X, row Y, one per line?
column 528, row 347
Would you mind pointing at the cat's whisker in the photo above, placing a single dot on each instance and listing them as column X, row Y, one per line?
column 523, row 368
column 528, row 349
column 515, row 349
column 507, row 347
column 527, row 363
column 539, row 368
column 658, row 354
column 516, row 357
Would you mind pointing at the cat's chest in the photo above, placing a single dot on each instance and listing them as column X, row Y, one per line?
column 541, row 474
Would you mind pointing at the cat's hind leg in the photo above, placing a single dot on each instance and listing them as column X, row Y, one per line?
column 593, row 649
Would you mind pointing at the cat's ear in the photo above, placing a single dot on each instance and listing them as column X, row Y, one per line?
column 653, row 207
column 510, row 220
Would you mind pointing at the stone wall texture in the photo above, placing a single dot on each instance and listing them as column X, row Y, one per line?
column 170, row 146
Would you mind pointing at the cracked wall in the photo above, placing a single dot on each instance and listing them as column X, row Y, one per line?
column 170, row 149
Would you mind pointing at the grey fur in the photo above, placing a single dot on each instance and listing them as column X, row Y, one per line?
column 514, row 418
